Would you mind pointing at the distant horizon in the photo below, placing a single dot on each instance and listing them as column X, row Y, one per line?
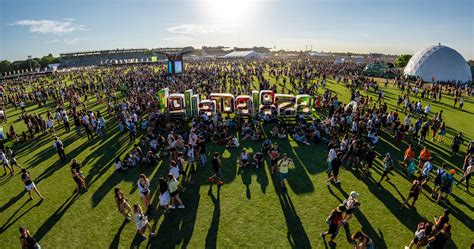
column 231, row 47
column 392, row 27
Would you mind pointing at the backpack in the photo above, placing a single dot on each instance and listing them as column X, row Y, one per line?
column 329, row 218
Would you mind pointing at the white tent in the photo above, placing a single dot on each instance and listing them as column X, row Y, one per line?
column 440, row 63
column 241, row 55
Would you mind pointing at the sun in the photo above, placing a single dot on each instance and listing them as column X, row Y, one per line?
column 229, row 11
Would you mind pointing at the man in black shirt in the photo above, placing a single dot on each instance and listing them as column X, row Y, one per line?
column 202, row 151
column 216, row 166
column 258, row 159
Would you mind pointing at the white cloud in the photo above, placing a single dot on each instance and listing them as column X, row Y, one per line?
column 196, row 29
column 178, row 38
column 70, row 41
column 50, row 26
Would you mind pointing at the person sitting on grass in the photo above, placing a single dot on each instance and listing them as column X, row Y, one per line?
column 244, row 159
column 232, row 142
column 422, row 233
column 119, row 166
column 362, row 241
column 300, row 137
column 141, row 222
column 122, row 204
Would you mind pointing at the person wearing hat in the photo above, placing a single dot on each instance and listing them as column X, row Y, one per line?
column 415, row 191
column 282, row 168
column 446, row 185
column 351, row 203
column 466, row 176
column 334, row 220
column 387, row 167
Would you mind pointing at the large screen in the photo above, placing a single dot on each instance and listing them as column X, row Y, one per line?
column 170, row 67
column 178, row 67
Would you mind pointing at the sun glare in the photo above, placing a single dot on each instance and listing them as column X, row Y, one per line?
column 229, row 11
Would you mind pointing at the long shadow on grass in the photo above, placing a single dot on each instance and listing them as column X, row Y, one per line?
column 177, row 227
column 408, row 218
column 211, row 237
column 9, row 222
column 116, row 241
column 296, row 234
column 55, row 217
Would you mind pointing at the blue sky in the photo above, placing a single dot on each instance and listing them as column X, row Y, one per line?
column 30, row 27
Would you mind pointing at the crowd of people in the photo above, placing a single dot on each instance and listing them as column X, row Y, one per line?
column 350, row 131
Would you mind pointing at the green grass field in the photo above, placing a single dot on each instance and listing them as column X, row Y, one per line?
column 248, row 211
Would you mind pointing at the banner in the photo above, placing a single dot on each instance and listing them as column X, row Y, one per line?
column 187, row 101
column 163, row 98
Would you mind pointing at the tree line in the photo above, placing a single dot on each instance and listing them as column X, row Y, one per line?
column 33, row 63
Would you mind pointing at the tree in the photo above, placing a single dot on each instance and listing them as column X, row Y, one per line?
column 49, row 59
column 5, row 66
column 402, row 61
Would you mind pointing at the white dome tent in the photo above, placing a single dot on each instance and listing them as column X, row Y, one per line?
column 440, row 63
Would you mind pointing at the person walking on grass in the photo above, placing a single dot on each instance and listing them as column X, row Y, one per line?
column 29, row 184
column 11, row 158
column 133, row 132
column 173, row 188
column 334, row 220
column 282, row 168
column 216, row 167
column 387, row 167
column 458, row 140
column 27, row 241
column 59, row 146
column 415, row 190
column 333, row 169
column 437, row 181
column 122, row 204
column 351, row 204
column 144, row 190
column 141, row 222
column 6, row 164
column 466, row 176
column 447, row 181
column 78, row 179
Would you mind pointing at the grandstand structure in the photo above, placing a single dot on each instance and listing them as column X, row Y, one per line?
column 116, row 56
